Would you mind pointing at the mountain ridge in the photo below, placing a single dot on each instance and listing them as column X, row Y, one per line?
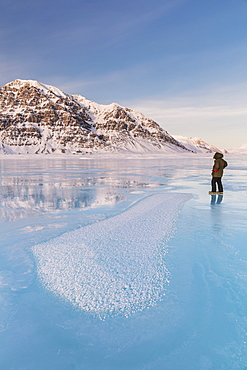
column 39, row 118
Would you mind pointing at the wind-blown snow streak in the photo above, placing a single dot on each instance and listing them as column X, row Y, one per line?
column 115, row 266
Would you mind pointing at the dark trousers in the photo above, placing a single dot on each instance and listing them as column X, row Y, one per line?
column 216, row 180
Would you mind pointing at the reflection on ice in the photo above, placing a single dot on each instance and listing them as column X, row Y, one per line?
column 219, row 199
column 23, row 196
column 114, row 266
column 20, row 197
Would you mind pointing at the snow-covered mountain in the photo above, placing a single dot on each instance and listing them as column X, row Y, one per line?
column 243, row 149
column 197, row 145
column 240, row 150
column 37, row 118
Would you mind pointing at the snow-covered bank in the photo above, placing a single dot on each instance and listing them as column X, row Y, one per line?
column 105, row 155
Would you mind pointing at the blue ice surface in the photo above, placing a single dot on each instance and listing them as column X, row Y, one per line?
column 199, row 320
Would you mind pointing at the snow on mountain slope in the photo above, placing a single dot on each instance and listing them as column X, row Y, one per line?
column 197, row 145
column 38, row 118
column 42, row 87
column 243, row 148
column 240, row 150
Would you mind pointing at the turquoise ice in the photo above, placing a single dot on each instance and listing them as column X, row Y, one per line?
column 122, row 263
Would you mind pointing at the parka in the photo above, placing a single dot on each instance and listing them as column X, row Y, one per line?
column 219, row 165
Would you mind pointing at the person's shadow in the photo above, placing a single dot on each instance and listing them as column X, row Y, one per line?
column 219, row 199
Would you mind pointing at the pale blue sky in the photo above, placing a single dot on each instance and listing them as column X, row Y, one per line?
column 180, row 62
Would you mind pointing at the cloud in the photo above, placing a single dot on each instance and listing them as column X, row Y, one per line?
column 211, row 102
column 107, row 87
column 216, row 115
column 108, row 25
column 157, row 109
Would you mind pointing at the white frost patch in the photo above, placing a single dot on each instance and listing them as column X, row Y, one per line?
column 30, row 229
column 115, row 266
column 34, row 228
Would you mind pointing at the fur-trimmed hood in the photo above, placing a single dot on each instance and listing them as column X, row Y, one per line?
column 218, row 155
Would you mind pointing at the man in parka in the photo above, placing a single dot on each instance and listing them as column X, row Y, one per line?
column 217, row 173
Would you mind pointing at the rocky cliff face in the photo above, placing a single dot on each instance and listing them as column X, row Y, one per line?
column 37, row 118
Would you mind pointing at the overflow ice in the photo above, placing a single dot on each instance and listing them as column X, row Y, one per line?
column 115, row 266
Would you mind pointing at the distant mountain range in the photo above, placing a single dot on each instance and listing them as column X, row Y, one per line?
column 197, row 145
column 36, row 118
column 241, row 150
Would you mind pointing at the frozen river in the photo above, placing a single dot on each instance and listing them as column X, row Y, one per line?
column 122, row 264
